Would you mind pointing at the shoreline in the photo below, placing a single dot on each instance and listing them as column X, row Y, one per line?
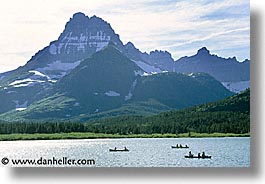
column 89, row 135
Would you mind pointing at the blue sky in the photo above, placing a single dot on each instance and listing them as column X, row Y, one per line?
column 178, row 26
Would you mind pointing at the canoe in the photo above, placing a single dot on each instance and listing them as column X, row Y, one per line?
column 180, row 147
column 205, row 157
column 118, row 150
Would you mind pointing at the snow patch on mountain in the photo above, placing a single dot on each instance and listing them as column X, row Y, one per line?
column 58, row 66
column 100, row 36
column 101, row 45
column 129, row 96
column 152, row 73
column 52, row 80
column 81, row 43
column 146, row 67
column 236, row 87
column 191, row 75
column 138, row 72
column 21, row 81
column 146, row 74
column 112, row 93
column 20, row 107
column 38, row 74
column 24, row 83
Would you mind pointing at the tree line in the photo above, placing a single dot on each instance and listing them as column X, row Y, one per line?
column 203, row 122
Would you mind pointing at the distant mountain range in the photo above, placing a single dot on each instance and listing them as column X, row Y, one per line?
column 89, row 73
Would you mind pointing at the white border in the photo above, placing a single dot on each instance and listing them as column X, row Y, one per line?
column 253, row 175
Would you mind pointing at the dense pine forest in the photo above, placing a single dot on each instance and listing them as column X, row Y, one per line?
column 231, row 115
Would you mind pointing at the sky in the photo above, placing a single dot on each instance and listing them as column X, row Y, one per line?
column 178, row 26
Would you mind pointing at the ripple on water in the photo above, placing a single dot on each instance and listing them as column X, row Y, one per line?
column 157, row 152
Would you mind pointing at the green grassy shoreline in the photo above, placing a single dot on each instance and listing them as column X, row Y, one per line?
column 89, row 135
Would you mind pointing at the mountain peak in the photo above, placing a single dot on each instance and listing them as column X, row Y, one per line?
column 203, row 51
column 129, row 45
column 79, row 15
column 78, row 22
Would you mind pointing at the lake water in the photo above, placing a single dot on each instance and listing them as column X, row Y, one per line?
column 156, row 152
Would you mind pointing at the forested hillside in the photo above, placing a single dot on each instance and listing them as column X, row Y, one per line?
column 231, row 115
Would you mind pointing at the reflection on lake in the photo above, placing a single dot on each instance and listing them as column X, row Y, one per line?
column 144, row 152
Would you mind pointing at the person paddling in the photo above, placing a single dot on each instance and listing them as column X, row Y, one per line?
column 190, row 154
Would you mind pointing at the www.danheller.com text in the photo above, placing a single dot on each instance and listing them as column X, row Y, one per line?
column 64, row 161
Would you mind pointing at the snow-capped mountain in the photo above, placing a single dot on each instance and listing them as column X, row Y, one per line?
column 88, row 70
column 84, row 36
column 110, row 84
column 81, row 37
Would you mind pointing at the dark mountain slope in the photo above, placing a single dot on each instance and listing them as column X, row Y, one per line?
column 231, row 115
column 180, row 90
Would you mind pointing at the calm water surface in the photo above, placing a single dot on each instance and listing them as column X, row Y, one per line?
column 157, row 152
